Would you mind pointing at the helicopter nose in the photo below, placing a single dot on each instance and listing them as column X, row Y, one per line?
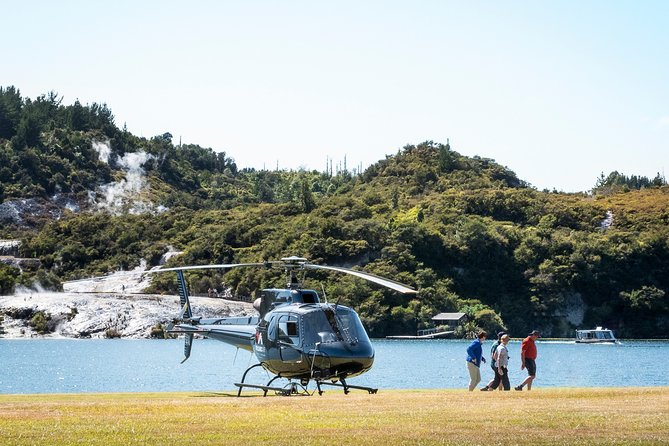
column 349, row 359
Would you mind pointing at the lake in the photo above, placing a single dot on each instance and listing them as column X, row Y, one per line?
column 102, row 365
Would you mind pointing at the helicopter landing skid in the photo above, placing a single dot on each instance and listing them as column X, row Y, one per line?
column 283, row 391
column 289, row 389
column 347, row 387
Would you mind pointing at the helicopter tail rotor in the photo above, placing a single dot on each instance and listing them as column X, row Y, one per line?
column 188, row 345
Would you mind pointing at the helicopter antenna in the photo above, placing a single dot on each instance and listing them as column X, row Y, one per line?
column 324, row 295
column 337, row 303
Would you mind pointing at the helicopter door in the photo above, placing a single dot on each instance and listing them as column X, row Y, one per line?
column 288, row 336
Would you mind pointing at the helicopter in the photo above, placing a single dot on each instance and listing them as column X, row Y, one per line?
column 294, row 336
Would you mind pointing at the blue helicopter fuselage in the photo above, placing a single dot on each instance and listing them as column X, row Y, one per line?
column 300, row 337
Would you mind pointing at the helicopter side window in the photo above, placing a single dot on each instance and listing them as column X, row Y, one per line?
column 271, row 328
column 284, row 298
column 288, row 330
column 309, row 298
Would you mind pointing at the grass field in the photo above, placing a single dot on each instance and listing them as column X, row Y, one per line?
column 417, row 417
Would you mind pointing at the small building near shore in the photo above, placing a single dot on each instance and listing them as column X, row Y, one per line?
column 450, row 320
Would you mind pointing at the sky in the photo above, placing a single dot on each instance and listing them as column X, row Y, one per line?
column 559, row 91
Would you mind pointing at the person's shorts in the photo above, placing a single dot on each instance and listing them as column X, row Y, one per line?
column 531, row 367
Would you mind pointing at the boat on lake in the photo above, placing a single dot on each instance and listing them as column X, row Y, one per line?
column 598, row 335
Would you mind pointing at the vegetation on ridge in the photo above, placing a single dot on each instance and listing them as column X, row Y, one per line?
column 465, row 231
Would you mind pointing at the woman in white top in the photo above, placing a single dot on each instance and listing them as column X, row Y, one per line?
column 503, row 362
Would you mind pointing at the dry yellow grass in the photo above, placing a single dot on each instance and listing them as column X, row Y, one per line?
column 418, row 417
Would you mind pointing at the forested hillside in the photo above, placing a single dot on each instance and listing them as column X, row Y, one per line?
column 87, row 197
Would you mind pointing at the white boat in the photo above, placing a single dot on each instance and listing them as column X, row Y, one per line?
column 599, row 334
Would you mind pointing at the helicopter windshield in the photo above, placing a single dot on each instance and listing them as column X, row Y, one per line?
column 351, row 324
column 327, row 326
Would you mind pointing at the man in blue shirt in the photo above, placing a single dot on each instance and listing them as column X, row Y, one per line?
column 474, row 359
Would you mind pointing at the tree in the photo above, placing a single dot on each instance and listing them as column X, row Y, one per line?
column 647, row 298
column 78, row 116
column 446, row 162
column 8, row 276
column 308, row 203
column 616, row 181
column 28, row 130
column 10, row 111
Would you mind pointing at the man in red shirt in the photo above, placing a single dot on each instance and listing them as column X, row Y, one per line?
column 528, row 356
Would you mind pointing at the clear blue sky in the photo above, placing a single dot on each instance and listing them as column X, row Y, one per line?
column 557, row 91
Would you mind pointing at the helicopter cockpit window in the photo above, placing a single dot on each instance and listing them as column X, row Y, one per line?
column 288, row 329
column 317, row 329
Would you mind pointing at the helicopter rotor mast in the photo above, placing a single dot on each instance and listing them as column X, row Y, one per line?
column 291, row 265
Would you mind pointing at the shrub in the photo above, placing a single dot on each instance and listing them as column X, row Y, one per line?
column 40, row 322
column 157, row 331
column 112, row 333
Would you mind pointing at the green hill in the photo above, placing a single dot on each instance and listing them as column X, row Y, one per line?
column 86, row 197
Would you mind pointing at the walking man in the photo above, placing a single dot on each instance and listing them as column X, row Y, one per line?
column 528, row 357
column 474, row 358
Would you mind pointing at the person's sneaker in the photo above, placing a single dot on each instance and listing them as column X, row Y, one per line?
column 485, row 389
column 518, row 387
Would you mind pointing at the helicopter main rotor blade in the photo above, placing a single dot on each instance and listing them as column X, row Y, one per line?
column 154, row 270
column 367, row 276
column 288, row 263
column 193, row 267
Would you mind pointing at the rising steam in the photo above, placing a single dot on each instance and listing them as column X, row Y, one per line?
column 124, row 195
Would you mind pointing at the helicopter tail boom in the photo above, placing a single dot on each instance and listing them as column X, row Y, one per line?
column 238, row 335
